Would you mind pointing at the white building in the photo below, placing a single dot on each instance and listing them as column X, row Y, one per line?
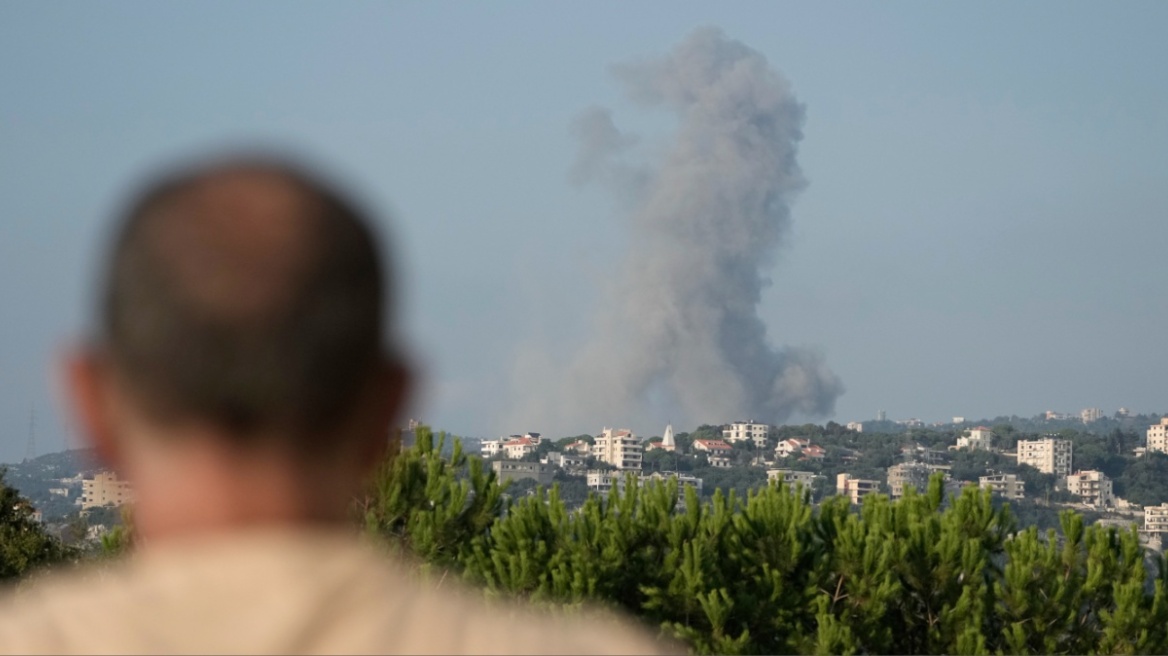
column 1158, row 436
column 105, row 489
column 1007, row 486
column 792, row 477
column 1094, row 487
column 509, row 470
column 1156, row 518
column 913, row 474
column 517, row 447
column 1048, row 455
column 712, row 446
column 1089, row 415
column 579, row 446
column 857, row 426
column 715, row 460
column 980, row 438
column 490, row 448
column 564, row 460
column 619, row 448
column 682, row 480
column 855, row 488
column 790, row 447
column 599, row 480
column 741, row 431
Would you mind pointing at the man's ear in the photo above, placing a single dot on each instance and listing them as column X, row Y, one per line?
column 87, row 392
column 390, row 392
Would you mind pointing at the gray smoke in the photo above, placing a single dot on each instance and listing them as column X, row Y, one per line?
column 681, row 327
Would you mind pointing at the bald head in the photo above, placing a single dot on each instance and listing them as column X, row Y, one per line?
column 248, row 295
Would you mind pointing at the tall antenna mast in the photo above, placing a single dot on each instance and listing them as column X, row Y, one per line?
column 30, row 448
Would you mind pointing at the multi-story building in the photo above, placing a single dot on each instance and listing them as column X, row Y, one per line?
column 619, row 448
column 491, row 448
column 510, row 470
column 682, row 480
column 105, row 489
column 791, row 446
column 600, row 480
column 569, row 460
column 857, row 426
column 1007, row 486
column 977, row 438
column 741, row 431
column 914, row 474
column 1158, row 436
column 1156, row 519
column 516, row 448
column 792, row 478
column 1094, row 487
column 855, row 488
column 1089, row 415
column 1048, row 455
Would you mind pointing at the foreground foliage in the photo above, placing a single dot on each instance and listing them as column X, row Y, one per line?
column 24, row 543
column 770, row 573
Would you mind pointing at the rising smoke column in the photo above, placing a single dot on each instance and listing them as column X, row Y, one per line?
column 706, row 221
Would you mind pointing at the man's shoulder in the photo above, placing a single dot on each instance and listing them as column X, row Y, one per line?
column 303, row 592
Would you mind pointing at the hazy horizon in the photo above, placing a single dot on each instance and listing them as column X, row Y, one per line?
column 977, row 231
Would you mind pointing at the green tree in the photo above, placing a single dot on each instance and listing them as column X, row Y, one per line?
column 769, row 572
column 430, row 505
column 1145, row 481
column 24, row 543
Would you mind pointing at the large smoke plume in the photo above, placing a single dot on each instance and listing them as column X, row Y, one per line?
column 681, row 327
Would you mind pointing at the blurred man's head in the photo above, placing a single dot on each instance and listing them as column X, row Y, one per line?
column 242, row 309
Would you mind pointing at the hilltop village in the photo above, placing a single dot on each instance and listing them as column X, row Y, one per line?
column 1111, row 469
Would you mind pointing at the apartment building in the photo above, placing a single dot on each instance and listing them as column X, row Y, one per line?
column 1007, row 486
column 1158, row 436
column 105, row 489
column 619, row 448
column 1048, row 455
column 980, row 438
column 599, row 480
column 792, row 478
column 682, row 480
column 1156, row 519
column 742, row 431
column 855, row 488
column 1093, row 487
column 510, row 470
column 913, row 474
column 569, row 460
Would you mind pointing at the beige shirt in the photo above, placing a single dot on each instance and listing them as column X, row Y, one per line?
column 286, row 592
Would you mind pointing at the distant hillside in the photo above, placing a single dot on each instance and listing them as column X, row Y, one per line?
column 52, row 482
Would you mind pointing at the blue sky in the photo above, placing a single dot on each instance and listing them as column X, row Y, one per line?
column 982, row 232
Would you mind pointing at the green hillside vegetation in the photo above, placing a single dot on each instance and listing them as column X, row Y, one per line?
column 25, row 545
column 770, row 572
